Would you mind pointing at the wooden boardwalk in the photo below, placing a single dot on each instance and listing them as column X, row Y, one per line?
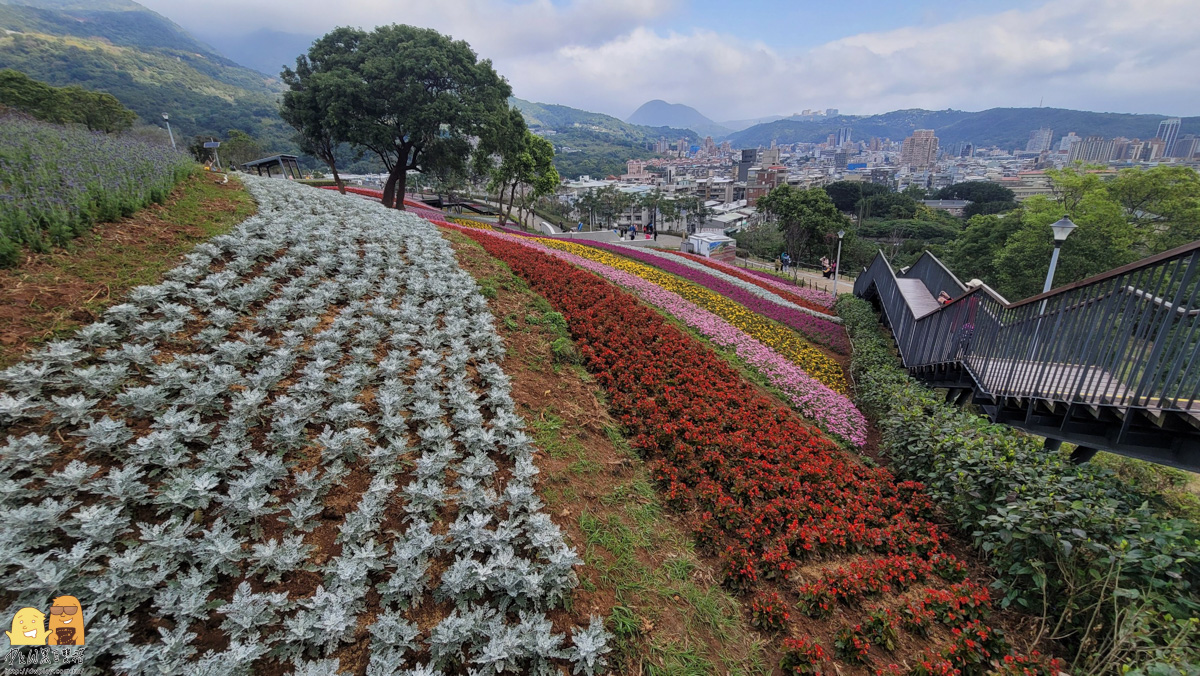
column 1048, row 380
column 917, row 297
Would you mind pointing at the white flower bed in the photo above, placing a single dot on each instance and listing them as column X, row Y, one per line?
column 741, row 283
column 172, row 465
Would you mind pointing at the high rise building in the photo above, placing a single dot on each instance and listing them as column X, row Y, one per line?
column 749, row 158
column 1068, row 142
column 769, row 157
column 1186, row 146
column 831, row 112
column 874, row 145
column 919, row 151
column 1092, row 149
column 843, row 137
column 840, row 159
column 1039, row 140
column 1168, row 131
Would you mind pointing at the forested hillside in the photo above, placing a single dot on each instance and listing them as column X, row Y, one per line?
column 150, row 64
column 593, row 143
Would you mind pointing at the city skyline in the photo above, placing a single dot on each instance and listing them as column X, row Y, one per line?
column 613, row 56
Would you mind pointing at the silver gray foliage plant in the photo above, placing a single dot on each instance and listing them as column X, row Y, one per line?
column 212, row 418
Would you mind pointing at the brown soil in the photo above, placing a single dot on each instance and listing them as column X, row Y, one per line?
column 63, row 289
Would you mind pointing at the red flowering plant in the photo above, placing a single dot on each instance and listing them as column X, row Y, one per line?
column 851, row 644
column 802, row 657
column 769, row 612
column 880, row 628
column 1033, row 664
column 932, row 663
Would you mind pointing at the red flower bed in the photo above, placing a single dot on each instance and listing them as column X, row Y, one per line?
column 768, row 489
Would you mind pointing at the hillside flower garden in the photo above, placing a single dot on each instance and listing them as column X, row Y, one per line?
column 299, row 441
column 300, row 453
column 770, row 496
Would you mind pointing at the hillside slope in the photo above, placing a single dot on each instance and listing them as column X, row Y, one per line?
column 593, row 143
column 150, row 64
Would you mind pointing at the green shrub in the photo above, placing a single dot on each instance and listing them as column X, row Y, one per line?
column 1070, row 543
column 564, row 351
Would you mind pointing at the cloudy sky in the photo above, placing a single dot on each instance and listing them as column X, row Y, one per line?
column 734, row 59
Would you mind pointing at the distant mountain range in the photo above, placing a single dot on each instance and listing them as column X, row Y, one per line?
column 594, row 143
column 148, row 62
column 1005, row 127
column 263, row 50
column 659, row 113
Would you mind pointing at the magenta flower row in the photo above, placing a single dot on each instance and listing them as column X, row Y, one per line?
column 823, row 298
column 819, row 330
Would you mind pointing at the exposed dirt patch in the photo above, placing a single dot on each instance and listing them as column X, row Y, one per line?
column 51, row 293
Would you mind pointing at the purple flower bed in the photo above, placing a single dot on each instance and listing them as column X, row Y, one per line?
column 819, row 330
column 833, row 412
column 56, row 181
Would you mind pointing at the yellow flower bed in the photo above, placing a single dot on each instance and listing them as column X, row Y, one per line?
column 466, row 223
column 776, row 336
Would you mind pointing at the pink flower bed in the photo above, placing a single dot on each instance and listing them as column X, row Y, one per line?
column 820, row 330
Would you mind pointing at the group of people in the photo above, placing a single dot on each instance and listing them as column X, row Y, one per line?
column 632, row 231
column 783, row 262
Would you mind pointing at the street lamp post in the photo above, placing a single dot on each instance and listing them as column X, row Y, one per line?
column 837, row 266
column 167, row 119
column 1061, row 228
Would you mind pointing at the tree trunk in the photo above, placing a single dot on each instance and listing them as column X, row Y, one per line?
column 401, row 186
column 337, row 179
column 389, row 191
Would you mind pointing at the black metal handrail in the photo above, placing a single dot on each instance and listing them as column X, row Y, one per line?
column 1128, row 338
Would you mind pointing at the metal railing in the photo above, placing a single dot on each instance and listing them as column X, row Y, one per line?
column 1127, row 338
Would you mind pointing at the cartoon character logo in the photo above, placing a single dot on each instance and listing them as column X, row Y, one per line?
column 66, row 621
column 28, row 628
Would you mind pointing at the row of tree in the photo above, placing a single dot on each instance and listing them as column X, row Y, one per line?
column 421, row 102
column 1121, row 219
column 98, row 111
column 604, row 206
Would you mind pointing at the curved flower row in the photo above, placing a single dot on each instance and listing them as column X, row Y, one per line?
column 784, row 341
column 833, row 411
column 819, row 330
column 749, row 287
column 770, row 491
column 816, row 299
column 815, row 294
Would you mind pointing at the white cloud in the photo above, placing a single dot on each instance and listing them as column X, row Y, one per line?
column 1118, row 55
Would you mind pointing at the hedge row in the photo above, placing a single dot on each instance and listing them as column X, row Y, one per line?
column 1117, row 584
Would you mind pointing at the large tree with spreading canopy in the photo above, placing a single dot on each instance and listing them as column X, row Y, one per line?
column 414, row 97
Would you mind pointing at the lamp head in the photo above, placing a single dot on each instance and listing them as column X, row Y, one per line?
column 1061, row 228
column 166, row 117
column 841, row 234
